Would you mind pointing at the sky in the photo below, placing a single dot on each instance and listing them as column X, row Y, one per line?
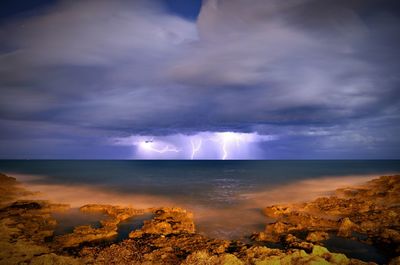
column 211, row 79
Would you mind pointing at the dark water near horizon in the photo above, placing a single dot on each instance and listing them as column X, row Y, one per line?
column 218, row 188
column 203, row 182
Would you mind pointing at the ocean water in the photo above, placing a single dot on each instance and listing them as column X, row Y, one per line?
column 226, row 197
column 201, row 182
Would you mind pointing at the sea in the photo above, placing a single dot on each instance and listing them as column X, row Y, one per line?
column 226, row 197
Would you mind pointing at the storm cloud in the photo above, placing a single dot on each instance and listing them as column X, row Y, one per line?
column 321, row 80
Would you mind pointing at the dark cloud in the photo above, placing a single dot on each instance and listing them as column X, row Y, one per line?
column 321, row 77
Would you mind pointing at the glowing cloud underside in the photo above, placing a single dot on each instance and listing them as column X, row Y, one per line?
column 203, row 145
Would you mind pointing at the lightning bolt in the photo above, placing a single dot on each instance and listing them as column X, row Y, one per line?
column 149, row 146
column 224, row 139
column 195, row 148
column 224, row 150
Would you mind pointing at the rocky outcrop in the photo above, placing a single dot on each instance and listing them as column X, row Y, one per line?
column 166, row 239
column 54, row 259
column 317, row 236
column 26, row 227
column 10, row 190
column 85, row 234
column 167, row 221
column 32, row 218
column 318, row 255
column 117, row 213
column 195, row 249
column 107, row 231
column 346, row 227
column 372, row 210
column 154, row 244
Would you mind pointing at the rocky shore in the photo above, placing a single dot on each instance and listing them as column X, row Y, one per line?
column 369, row 214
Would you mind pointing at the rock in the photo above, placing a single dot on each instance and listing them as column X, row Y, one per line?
column 391, row 236
column 318, row 256
column 107, row 231
column 116, row 212
column 155, row 249
column 274, row 231
column 395, row 261
column 276, row 211
column 261, row 236
column 15, row 247
column 54, row 259
column 26, row 205
column 167, row 221
column 317, row 236
column 346, row 227
column 84, row 234
column 319, row 251
column 31, row 205
column 293, row 242
column 32, row 219
column 372, row 210
column 204, row 258
column 10, row 190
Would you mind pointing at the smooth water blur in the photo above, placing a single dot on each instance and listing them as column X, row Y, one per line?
column 199, row 182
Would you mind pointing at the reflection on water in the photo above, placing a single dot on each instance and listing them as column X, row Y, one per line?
column 67, row 220
column 356, row 249
column 229, row 223
column 131, row 224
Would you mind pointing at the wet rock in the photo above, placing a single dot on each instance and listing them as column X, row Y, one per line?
column 395, row 261
column 346, row 227
column 292, row 241
column 84, row 234
column 318, row 255
column 274, row 231
column 116, row 212
column 26, row 205
column 391, row 235
column 276, row 211
column 14, row 247
column 260, row 253
column 317, row 236
column 155, row 249
column 31, row 205
column 204, row 258
column 54, row 259
column 10, row 189
column 191, row 248
column 31, row 218
column 372, row 210
column 167, row 221
column 107, row 231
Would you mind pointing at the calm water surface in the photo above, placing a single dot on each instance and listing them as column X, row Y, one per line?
column 200, row 182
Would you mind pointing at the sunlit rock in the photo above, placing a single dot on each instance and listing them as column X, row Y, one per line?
column 167, row 221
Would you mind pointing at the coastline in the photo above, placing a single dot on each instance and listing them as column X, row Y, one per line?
column 217, row 220
column 170, row 237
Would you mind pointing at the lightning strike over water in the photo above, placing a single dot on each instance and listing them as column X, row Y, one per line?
column 225, row 138
column 202, row 145
column 224, row 150
column 195, row 148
